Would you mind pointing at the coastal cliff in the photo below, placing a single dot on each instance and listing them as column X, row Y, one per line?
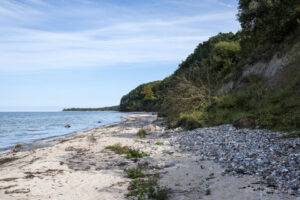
column 250, row 78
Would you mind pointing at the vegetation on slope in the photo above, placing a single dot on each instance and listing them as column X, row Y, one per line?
column 142, row 98
column 265, row 24
column 192, row 96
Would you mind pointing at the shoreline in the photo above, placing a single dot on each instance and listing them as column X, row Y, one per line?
column 39, row 143
column 81, row 167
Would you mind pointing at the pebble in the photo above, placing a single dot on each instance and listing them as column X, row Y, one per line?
column 247, row 151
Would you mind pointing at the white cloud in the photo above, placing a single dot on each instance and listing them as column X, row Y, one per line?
column 30, row 43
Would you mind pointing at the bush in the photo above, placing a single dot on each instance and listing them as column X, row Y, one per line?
column 147, row 188
column 130, row 153
column 265, row 23
column 142, row 133
column 276, row 109
column 134, row 173
column 190, row 121
column 142, row 98
column 118, row 148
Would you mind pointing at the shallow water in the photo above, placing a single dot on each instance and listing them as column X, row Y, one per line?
column 27, row 127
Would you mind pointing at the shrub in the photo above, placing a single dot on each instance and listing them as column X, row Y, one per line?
column 118, row 148
column 190, row 121
column 147, row 188
column 266, row 22
column 130, row 153
column 134, row 173
column 274, row 109
column 142, row 133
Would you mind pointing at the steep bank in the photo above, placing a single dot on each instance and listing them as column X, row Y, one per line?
column 251, row 77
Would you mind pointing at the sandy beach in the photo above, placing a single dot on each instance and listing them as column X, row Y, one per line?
column 80, row 167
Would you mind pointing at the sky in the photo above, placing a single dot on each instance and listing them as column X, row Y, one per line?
column 89, row 53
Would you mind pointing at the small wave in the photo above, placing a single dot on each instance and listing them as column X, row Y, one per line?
column 33, row 130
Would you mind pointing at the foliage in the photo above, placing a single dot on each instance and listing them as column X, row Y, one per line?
column 271, row 108
column 148, row 93
column 134, row 173
column 147, row 188
column 159, row 143
column 190, row 121
column 197, row 78
column 188, row 85
column 141, row 133
column 276, row 109
column 118, row 148
column 142, row 98
column 130, row 153
column 133, row 153
column 265, row 23
column 144, row 186
column 179, row 95
column 193, row 97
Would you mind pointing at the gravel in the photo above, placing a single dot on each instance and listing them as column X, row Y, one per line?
column 247, row 151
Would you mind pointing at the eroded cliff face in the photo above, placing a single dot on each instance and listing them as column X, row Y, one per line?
column 280, row 69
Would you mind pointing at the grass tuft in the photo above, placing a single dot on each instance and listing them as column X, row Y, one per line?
column 134, row 173
column 147, row 188
column 159, row 143
column 118, row 148
column 125, row 150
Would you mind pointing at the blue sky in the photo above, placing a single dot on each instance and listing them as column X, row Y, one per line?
column 85, row 53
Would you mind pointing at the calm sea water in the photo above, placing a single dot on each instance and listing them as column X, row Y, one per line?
column 27, row 127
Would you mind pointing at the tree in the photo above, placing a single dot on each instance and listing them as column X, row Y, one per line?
column 266, row 22
column 148, row 93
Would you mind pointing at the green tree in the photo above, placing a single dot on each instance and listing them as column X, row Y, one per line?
column 266, row 22
column 148, row 93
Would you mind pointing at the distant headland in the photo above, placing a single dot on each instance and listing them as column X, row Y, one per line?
column 108, row 108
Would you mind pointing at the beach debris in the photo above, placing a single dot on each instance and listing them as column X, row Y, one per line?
column 8, row 179
column 6, row 160
column 40, row 174
column 22, row 190
column 7, row 187
column 67, row 126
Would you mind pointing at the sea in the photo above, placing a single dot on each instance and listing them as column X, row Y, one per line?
column 29, row 127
